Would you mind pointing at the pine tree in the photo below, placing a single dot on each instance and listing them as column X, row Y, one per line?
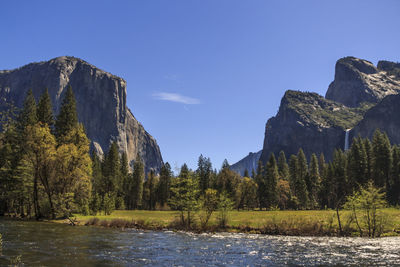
column 45, row 110
column 246, row 173
column 382, row 158
column 164, row 184
column 369, row 153
column 150, row 187
column 301, row 186
column 136, row 187
column 67, row 119
column 261, row 185
column 111, row 173
column 271, row 180
column 357, row 164
column 314, row 182
column 28, row 114
column 393, row 190
column 340, row 181
column 204, row 171
column 124, row 177
column 283, row 167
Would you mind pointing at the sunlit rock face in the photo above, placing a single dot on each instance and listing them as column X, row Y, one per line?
column 308, row 121
column 101, row 104
column 385, row 117
column 357, row 81
column 362, row 97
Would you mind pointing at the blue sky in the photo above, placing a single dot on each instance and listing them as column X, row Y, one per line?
column 204, row 76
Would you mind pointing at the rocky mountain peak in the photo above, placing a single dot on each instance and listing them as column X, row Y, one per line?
column 357, row 81
column 101, row 103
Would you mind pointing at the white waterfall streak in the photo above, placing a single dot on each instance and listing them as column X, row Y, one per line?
column 346, row 140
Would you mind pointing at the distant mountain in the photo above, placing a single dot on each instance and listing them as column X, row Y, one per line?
column 249, row 163
column 362, row 98
column 101, row 103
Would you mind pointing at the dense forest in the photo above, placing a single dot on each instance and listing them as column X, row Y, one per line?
column 47, row 171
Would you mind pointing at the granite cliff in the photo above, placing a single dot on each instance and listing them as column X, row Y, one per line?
column 249, row 163
column 362, row 97
column 357, row 81
column 311, row 122
column 101, row 103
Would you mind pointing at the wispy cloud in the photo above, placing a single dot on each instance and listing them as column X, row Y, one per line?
column 176, row 98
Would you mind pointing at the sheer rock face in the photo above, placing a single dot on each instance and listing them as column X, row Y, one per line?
column 385, row 117
column 310, row 122
column 101, row 103
column 249, row 163
column 357, row 81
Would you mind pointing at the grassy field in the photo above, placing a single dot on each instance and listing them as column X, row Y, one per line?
column 310, row 222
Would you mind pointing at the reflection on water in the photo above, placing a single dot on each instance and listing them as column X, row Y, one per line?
column 47, row 244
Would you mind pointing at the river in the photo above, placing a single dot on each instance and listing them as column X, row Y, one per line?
column 50, row 244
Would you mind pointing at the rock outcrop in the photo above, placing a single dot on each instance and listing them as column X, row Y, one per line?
column 101, row 103
column 249, row 163
column 357, row 81
column 383, row 116
column 308, row 121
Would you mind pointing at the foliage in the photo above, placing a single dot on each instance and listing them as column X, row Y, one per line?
column 225, row 205
column 368, row 202
column 209, row 203
column 184, row 196
column 314, row 108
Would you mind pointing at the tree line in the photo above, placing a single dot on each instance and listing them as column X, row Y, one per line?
column 46, row 170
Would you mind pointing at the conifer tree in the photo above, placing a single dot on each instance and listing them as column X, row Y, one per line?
column 357, row 164
column 393, row 190
column 314, row 182
column 246, row 173
column 382, row 158
column 261, row 185
column 67, row 119
column 164, row 184
column 283, row 167
column 369, row 153
column 340, row 181
column 301, row 186
column 271, row 181
column 136, row 187
column 204, row 171
column 28, row 114
column 150, row 187
column 45, row 110
column 111, row 172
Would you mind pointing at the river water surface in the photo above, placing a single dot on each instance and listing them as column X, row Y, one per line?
column 49, row 244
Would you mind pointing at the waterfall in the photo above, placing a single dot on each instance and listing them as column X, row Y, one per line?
column 346, row 140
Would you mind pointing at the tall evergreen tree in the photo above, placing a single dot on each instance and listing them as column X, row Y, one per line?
column 45, row 110
column 261, row 185
column 369, row 153
column 283, row 167
column 111, row 172
column 314, row 181
column 204, row 171
column 271, row 181
column 28, row 114
column 393, row 190
column 301, row 185
column 357, row 164
column 67, row 119
column 164, row 184
column 136, row 187
column 341, row 186
column 382, row 158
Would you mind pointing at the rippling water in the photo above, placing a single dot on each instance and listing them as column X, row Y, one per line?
column 47, row 244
